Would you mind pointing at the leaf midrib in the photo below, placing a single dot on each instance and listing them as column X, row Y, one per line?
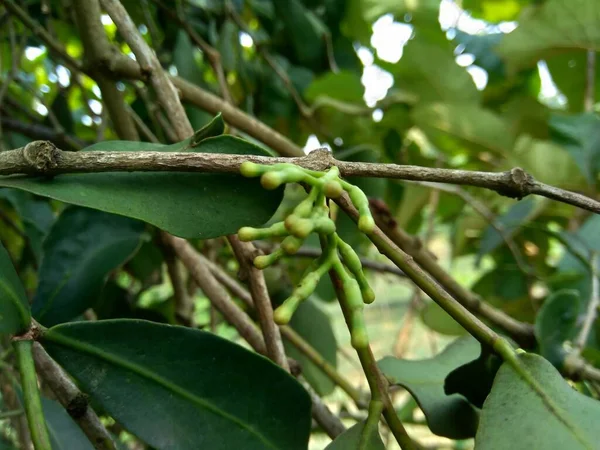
column 145, row 373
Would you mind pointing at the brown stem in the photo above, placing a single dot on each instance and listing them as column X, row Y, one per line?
column 72, row 399
column 245, row 253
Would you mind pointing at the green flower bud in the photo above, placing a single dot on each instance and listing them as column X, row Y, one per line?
column 283, row 314
column 250, row 169
column 353, row 294
column 324, row 225
column 366, row 224
column 291, row 244
column 264, row 261
column 298, row 226
column 359, row 337
column 333, row 189
column 271, row 180
column 368, row 294
column 247, row 234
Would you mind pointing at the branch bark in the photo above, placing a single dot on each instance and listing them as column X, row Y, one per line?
column 515, row 183
column 72, row 399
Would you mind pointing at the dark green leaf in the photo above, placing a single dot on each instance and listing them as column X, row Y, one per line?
column 190, row 205
column 195, row 389
column 36, row 215
column 313, row 324
column 350, row 439
column 65, row 434
column 553, row 416
column 14, row 306
column 447, row 415
column 83, row 247
column 304, row 30
column 556, row 323
column 474, row 379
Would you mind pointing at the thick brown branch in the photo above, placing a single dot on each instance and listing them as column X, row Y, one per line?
column 513, row 183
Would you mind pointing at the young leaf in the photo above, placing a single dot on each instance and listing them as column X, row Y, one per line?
column 190, row 205
column 182, row 388
column 515, row 416
column 14, row 306
column 350, row 439
column 447, row 415
column 83, row 246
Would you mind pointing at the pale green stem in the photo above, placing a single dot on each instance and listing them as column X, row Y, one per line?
column 31, row 395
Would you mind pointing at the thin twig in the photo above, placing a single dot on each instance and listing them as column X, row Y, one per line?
column 245, row 253
column 72, row 399
column 150, row 66
column 216, row 293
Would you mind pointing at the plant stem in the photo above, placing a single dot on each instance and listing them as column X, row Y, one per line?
column 377, row 383
column 31, row 394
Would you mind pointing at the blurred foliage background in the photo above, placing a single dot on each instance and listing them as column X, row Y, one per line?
column 475, row 84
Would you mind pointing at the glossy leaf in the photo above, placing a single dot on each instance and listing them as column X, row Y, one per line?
column 350, row 439
column 313, row 324
column 558, row 417
column 14, row 306
column 190, row 205
column 64, row 433
column 83, row 247
column 550, row 28
column 196, row 390
column 556, row 323
column 447, row 415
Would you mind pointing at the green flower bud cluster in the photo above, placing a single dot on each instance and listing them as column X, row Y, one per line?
column 312, row 215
